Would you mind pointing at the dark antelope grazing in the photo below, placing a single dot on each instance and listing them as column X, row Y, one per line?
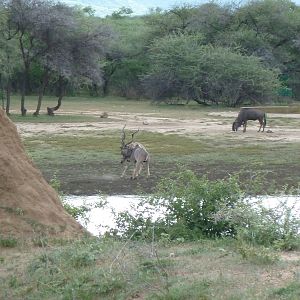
column 246, row 114
column 134, row 152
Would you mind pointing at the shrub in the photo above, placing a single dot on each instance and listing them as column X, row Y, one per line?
column 191, row 207
column 188, row 204
column 255, row 224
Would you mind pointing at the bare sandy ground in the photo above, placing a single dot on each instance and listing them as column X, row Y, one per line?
column 214, row 124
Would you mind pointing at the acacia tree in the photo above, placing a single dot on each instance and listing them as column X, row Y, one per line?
column 54, row 25
column 58, row 39
column 78, row 57
column 181, row 66
column 211, row 20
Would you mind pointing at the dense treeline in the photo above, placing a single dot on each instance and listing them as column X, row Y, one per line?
column 210, row 53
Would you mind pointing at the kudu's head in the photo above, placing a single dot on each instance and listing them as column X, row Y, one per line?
column 127, row 148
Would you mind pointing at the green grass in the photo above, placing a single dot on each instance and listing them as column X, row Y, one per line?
column 54, row 119
column 9, row 242
column 291, row 291
column 108, row 269
column 83, row 105
column 173, row 148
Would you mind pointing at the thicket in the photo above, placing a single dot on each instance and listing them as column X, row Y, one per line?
column 187, row 207
column 210, row 53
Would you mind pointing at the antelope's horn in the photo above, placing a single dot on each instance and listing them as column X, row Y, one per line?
column 132, row 135
column 123, row 136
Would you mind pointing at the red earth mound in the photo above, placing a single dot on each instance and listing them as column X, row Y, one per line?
column 28, row 204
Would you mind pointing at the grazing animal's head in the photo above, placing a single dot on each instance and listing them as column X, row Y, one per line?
column 235, row 125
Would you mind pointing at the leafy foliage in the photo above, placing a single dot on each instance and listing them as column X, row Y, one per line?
column 188, row 204
column 276, row 227
column 183, row 66
column 211, row 53
column 188, row 207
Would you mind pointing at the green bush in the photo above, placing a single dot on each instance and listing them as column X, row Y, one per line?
column 255, row 224
column 188, row 203
column 191, row 207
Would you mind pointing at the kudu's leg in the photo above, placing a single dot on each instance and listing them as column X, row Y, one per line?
column 125, row 168
column 148, row 170
column 136, row 169
column 140, row 169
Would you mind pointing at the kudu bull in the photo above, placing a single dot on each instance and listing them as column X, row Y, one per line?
column 246, row 114
column 134, row 152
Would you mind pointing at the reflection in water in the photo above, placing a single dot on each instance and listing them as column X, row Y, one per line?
column 102, row 219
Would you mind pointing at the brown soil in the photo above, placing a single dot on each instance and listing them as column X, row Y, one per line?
column 214, row 124
column 28, row 205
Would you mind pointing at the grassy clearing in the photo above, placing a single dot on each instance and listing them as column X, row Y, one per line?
column 86, row 105
column 56, row 119
column 94, row 154
column 107, row 269
column 89, row 159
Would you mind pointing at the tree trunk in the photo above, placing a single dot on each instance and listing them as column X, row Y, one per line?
column 107, row 76
column 8, row 93
column 42, row 92
column 2, row 99
column 23, row 91
column 25, row 75
column 61, row 91
column 1, row 92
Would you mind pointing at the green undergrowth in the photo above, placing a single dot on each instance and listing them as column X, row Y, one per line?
column 114, row 269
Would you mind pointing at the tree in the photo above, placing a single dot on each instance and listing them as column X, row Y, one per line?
column 53, row 47
column 122, row 12
column 125, row 59
column 211, row 20
column 181, row 66
column 22, row 15
column 270, row 30
column 174, row 21
column 9, row 58
column 57, row 41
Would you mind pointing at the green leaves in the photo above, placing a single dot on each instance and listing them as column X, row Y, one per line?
column 212, row 74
